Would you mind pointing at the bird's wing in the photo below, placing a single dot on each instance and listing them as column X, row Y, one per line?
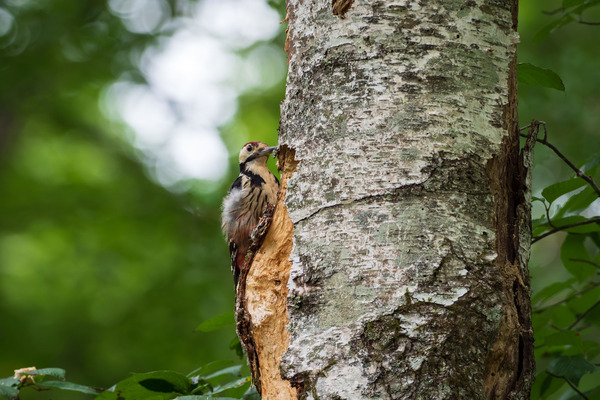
column 237, row 184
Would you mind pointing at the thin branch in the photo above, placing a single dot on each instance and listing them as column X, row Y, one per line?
column 557, row 328
column 559, row 9
column 570, row 384
column 585, row 261
column 578, row 172
column 589, row 23
column 535, row 126
column 586, row 312
column 567, row 299
column 527, row 127
column 595, row 220
column 548, row 216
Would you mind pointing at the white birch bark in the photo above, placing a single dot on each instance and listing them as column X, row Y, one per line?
column 406, row 279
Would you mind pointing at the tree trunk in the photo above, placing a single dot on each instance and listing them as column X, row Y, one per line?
column 406, row 201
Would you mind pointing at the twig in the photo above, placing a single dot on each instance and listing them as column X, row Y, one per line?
column 595, row 220
column 535, row 126
column 559, row 9
column 585, row 261
column 588, row 23
column 570, row 384
column 557, row 328
column 578, row 172
column 586, row 312
column 574, row 295
column 548, row 216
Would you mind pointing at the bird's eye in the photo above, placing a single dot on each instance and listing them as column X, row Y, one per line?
column 249, row 147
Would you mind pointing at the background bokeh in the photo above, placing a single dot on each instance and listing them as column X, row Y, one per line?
column 120, row 122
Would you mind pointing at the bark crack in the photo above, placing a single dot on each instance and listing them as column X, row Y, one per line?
column 389, row 196
column 510, row 362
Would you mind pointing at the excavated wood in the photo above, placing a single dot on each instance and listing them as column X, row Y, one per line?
column 243, row 318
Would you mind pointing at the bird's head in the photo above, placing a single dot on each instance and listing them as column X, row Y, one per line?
column 254, row 152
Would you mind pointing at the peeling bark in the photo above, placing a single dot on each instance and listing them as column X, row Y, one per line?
column 408, row 209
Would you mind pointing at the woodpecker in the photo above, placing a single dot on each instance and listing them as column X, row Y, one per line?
column 246, row 201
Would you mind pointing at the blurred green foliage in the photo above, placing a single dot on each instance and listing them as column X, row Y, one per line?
column 104, row 272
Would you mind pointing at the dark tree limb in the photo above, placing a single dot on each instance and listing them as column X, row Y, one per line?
column 595, row 220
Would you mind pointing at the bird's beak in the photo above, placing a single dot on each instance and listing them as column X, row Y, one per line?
column 267, row 150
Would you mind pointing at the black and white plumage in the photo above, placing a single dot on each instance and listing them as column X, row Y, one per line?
column 246, row 201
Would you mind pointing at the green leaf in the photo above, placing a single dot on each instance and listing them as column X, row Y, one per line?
column 132, row 388
column 551, row 27
column 588, row 228
column 564, row 339
column 539, row 226
column 210, row 379
column 589, row 166
column 210, row 367
column 55, row 372
column 593, row 317
column 571, row 3
column 63, row 385
column 591, row 394
column 595, row 238
column 561, row 315
column 585, row 301
column 9, row 387
column 546, row 384
column 231, row 385
column 573, row 248
column 549, row 385
column 217, row 322
column 233, row 371
column 558, row 189
column 564, row 221
column 591, row 348
column 578, row 202
column 159, row 385
column 586, row 269
column 532, row 75
column 584, row 6
column 541, row 324
column 177, row 382
column 252, row 395
column 571, row 368
column 552, row 290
